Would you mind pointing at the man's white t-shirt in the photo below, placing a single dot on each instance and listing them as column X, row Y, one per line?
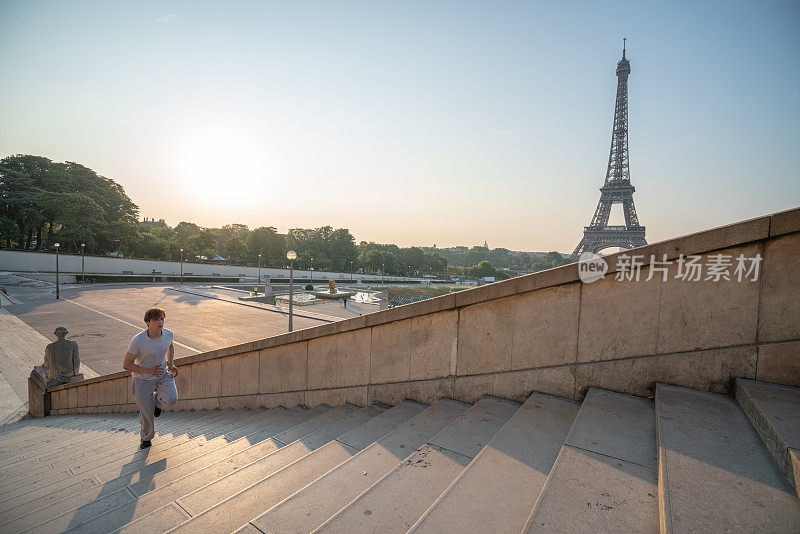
column 150, row 352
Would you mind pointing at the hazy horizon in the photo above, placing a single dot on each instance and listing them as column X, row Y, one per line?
column 415, row 123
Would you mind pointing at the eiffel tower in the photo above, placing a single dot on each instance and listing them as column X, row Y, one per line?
column 617, row 188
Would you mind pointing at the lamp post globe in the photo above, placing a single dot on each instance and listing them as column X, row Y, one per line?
column 291, row 256
column 56, row 245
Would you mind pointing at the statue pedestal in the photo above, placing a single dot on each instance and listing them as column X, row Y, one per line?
column 38, row 396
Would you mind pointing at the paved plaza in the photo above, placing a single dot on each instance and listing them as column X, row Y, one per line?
column 103, row 318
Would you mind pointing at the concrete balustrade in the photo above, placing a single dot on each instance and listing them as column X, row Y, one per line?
column 546, row 332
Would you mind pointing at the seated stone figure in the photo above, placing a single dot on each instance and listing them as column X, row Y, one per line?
column 61, row 361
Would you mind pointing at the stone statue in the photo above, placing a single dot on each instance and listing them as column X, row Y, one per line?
column 331, row 287
column 61, row 361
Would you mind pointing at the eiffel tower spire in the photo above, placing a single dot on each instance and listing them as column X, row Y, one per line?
column 617, row 188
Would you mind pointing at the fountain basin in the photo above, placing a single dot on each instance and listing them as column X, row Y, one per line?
column 337, row 295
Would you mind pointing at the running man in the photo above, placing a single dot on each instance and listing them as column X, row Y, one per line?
column 150, row 360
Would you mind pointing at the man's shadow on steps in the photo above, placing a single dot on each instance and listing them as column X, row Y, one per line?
column 115, row 488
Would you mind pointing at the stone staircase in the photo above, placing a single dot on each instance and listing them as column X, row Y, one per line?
column 688, row 461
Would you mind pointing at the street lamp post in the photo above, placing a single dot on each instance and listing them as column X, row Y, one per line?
column 351, row 271
column 291, row 256
column 181, row 266
column 312, row 271
column 57, row 245
column 83, row 263
column 259, row 269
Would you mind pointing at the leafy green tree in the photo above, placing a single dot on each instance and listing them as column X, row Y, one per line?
column 204, row 243
column 185, row 231
column 67, row 198
column 232, row 241
column 266, row 241
column 434, row 263
column 342, row 249
column 18, row 210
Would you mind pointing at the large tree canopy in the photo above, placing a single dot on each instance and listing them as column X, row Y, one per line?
column 68, row 201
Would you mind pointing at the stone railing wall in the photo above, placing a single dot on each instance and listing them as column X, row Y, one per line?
column 547, row 332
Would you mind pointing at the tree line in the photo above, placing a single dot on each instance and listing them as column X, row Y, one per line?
column 43, row 202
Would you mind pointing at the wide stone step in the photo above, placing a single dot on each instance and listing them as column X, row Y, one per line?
column 85, row 506
column 714, row 472
column 131, row 458
column 308, row 508
column 306, row 471
column 166, row 486
column 50, row 428
column 103, row 449
column 45, row 439
column 121, row 458
column 72, row 442
column 115, row 491
column 104, row 443
column 605, row 477
column 514, row 465
column 396, row 502
column 774, row 412
column 16, row 433
column 223, row 504
column 14, row 444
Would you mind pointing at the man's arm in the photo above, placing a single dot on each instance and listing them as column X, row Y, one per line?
column 128, row 365
column 170, row 358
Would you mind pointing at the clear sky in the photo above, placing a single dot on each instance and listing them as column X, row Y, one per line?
column 412, row 122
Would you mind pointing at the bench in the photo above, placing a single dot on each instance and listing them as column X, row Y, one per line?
column 127, row 272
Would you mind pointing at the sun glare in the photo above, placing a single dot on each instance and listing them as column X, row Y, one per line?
column 222, row 168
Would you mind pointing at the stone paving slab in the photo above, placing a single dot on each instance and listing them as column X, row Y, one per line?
column 468, row 434
column 590, row 492
column 714, row 471
column 605, row 475
column 514, row 464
